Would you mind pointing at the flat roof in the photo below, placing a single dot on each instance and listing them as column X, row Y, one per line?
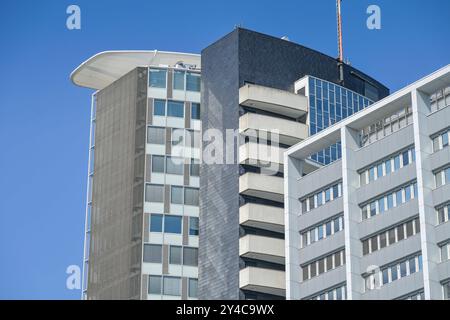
column 104, row 68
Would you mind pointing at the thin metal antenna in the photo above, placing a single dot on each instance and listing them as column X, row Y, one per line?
column 340, row 45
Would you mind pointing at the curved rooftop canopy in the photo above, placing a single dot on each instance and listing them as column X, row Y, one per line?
column 104, row 68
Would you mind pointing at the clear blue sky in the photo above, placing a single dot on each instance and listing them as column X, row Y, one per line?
column 44, row 119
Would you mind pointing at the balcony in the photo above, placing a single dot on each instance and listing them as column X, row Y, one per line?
column 262, row 280
column 262, row 186
column 262, row 155
column 262, row 248
column 262, row 217
column 273, row 100
column 289, row 132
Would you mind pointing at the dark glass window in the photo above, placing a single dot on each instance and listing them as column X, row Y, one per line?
column 193, row 82
column 156, row 222
column 175, row 255
column 157, row 78
column 193, row 226
column 159, row 107
column 158, row 164
column 152, row 253
column 195, row 111
column 190, row 256
column 178, row 80
column 172, row 224
column 154, row 284
column 175, row 109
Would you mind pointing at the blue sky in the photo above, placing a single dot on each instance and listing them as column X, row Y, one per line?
column 44, row 119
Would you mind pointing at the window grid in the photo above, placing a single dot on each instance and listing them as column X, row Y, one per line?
column 391, row 236
column 387, row 166
column 441, row 141
column 329, row 104
column 322, row 197
column 443, row 213
column 337, row 293
column 386, row 126
column 327, row 227
column 442, row 177
column 325, row 264
column 389, row 201
column 393, row 272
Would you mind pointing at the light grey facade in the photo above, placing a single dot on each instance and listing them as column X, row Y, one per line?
column 142, row 210
column 373, row 224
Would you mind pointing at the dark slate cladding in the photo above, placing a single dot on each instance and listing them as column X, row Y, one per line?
column 239, row 57
column 219, row 187
column 277, row 63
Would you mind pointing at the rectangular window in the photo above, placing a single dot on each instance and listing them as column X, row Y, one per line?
column 175, row 255
column 385, row 276
column 329, row 262
column 412, row 265
column 337, row 259
column 193, row 226
column 172, row 286
column 156, row 135
column 305, row 273
column 156, row 222
column 400, row 233
column 176, row 195
column 365, row 247
column 383, row 240
column 154, row 193
column 391, row 234
column 172, row 224
column 380, row 170
column 175, row 109
column 195, row 111
column 381, row 207
column 157, row 78
column 405, row 157
column 152, row 253
column 328, row 228
column 374, row 243
column 194, row 169
column 320, row 232
column 174, row 165
column 371, row 174
column 399, row 197
column 373, row 209
column 193, row 284
column 158, row 164
column 191, row 196
column 436, row 144
column 336, row 223
column 321, row 266
column 336, row 191
column 394, row 273
column 327, row 195
column 159, row 107
column 178, row 80
column 445, row 140
column 409, row 229
column 193, row 82
column 190, row 256
column 154, row 284
column 387, row 164
column 390, row 201
column 407, row 193
column 403, row 271
column 397, row 163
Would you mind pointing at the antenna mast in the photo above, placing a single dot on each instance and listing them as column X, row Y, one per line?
column 340, row 46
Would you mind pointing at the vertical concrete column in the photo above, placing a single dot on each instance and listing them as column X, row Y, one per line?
column 425, row 184
column 293, row 171
column 352, row 214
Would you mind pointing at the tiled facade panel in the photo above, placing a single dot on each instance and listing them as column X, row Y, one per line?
column 219, row 183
